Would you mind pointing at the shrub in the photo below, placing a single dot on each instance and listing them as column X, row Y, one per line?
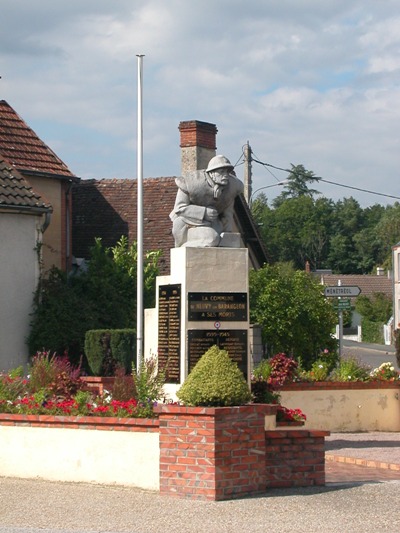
column 283, row 369
column 319, row 371
column 149, row 381
column 123, row 388
column 105, row 349
column 215, row 381
column 104, row 296
column 385, row 372
column 262, row 388
column 372, row 332
column 351, row 369
column 263, row 391
column 397, row 345
column 12, row 385
column 263, row 370
column 53, row 374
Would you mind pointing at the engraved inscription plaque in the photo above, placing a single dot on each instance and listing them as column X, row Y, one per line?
column 169, row 331
column 217, row 306
column 234, row 341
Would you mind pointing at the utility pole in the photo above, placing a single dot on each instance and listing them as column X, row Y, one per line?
column 247, row 173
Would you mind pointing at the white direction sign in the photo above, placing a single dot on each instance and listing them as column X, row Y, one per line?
column 342, row 290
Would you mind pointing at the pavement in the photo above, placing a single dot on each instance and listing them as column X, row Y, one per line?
column 372, row 456
column 360, row 496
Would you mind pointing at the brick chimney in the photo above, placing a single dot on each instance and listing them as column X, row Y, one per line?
column 198, row 144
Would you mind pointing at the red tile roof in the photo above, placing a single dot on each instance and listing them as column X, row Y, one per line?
column 20, row 145
column 16, row 193
column 108, row 209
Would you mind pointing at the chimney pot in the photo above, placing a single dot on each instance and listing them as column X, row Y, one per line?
column 198, row 144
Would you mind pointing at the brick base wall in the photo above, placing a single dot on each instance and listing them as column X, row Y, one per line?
column 212, row 453
column 204, row 453
column 295, row 458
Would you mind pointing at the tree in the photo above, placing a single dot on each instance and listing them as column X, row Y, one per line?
column 104, row 297
column 295, row 317
column 297, row 185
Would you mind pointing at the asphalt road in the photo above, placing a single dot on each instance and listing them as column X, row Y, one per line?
column 371, row 354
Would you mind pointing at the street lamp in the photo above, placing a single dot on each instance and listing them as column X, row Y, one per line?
column 284, row 182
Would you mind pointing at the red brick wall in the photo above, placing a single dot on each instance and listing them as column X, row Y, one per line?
column 197, row 133
column 295, row 458
column 80, row 422
column 212, row 454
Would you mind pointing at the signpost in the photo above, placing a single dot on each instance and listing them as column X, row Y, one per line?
column 343, row 293
column 342, row 290
column 343, row 304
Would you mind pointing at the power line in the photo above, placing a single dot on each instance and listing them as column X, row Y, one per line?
column 319, row 178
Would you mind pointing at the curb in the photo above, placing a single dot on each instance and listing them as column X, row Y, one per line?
column 361, row 462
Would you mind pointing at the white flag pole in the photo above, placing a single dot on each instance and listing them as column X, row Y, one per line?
column 139, row 291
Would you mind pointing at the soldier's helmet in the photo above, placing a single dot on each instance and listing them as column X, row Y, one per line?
column 219, row 161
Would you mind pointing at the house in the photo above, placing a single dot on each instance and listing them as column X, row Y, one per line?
column 24, row 217
column 108, row 208
column 369, row 284
column 47, row 175
column 396, row 292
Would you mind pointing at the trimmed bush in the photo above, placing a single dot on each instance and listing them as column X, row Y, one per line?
column 372, row 331
column 215, row 381
column 107, row 349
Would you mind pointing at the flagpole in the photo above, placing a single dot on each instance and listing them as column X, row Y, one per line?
column 139, row 290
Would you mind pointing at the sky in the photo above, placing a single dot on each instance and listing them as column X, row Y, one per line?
column 311, row 82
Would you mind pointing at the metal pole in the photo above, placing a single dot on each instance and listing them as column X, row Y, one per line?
column 340, row 326
column 139, row 269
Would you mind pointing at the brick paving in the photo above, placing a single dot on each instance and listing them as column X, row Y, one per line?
column 348, row 472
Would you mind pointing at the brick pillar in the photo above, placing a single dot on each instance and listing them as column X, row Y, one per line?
column 198, row 144
column 212, row 453
column 295, row 458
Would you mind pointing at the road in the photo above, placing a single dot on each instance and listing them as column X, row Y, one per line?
column 371, row 354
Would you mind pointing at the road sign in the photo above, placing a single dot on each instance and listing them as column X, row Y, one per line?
column 343, row 304
column 342, row 290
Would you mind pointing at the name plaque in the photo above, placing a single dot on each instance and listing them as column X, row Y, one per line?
column 234, row 341
column 169, row 331
column 217, row 306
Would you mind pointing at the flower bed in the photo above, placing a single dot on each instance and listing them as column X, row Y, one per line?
column 202, row 453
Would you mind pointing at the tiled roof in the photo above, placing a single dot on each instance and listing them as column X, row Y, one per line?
column 16, row 193
column 108, row 209
column 20, row 145
column 368, row 284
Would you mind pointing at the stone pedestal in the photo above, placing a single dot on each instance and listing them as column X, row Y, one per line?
column 203, row 302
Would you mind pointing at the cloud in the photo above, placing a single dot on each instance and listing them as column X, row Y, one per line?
column 305, row 82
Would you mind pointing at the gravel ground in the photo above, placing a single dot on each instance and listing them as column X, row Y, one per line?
column 33, row 506
column 375, row 446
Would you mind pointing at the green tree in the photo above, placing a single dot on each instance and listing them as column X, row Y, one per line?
column 294, row 315
column 103, row 297
column 297, row 186
column 388, row 232
column 377, row 308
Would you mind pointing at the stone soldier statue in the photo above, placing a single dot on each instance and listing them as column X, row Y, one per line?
column 204, row 204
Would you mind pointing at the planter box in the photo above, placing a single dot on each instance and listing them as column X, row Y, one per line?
column 213, row 453
column 295, row 458
column 123, row 451
column 346, row 407
column 189, row 452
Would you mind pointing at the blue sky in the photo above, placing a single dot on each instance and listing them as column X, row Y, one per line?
column 313, row 83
